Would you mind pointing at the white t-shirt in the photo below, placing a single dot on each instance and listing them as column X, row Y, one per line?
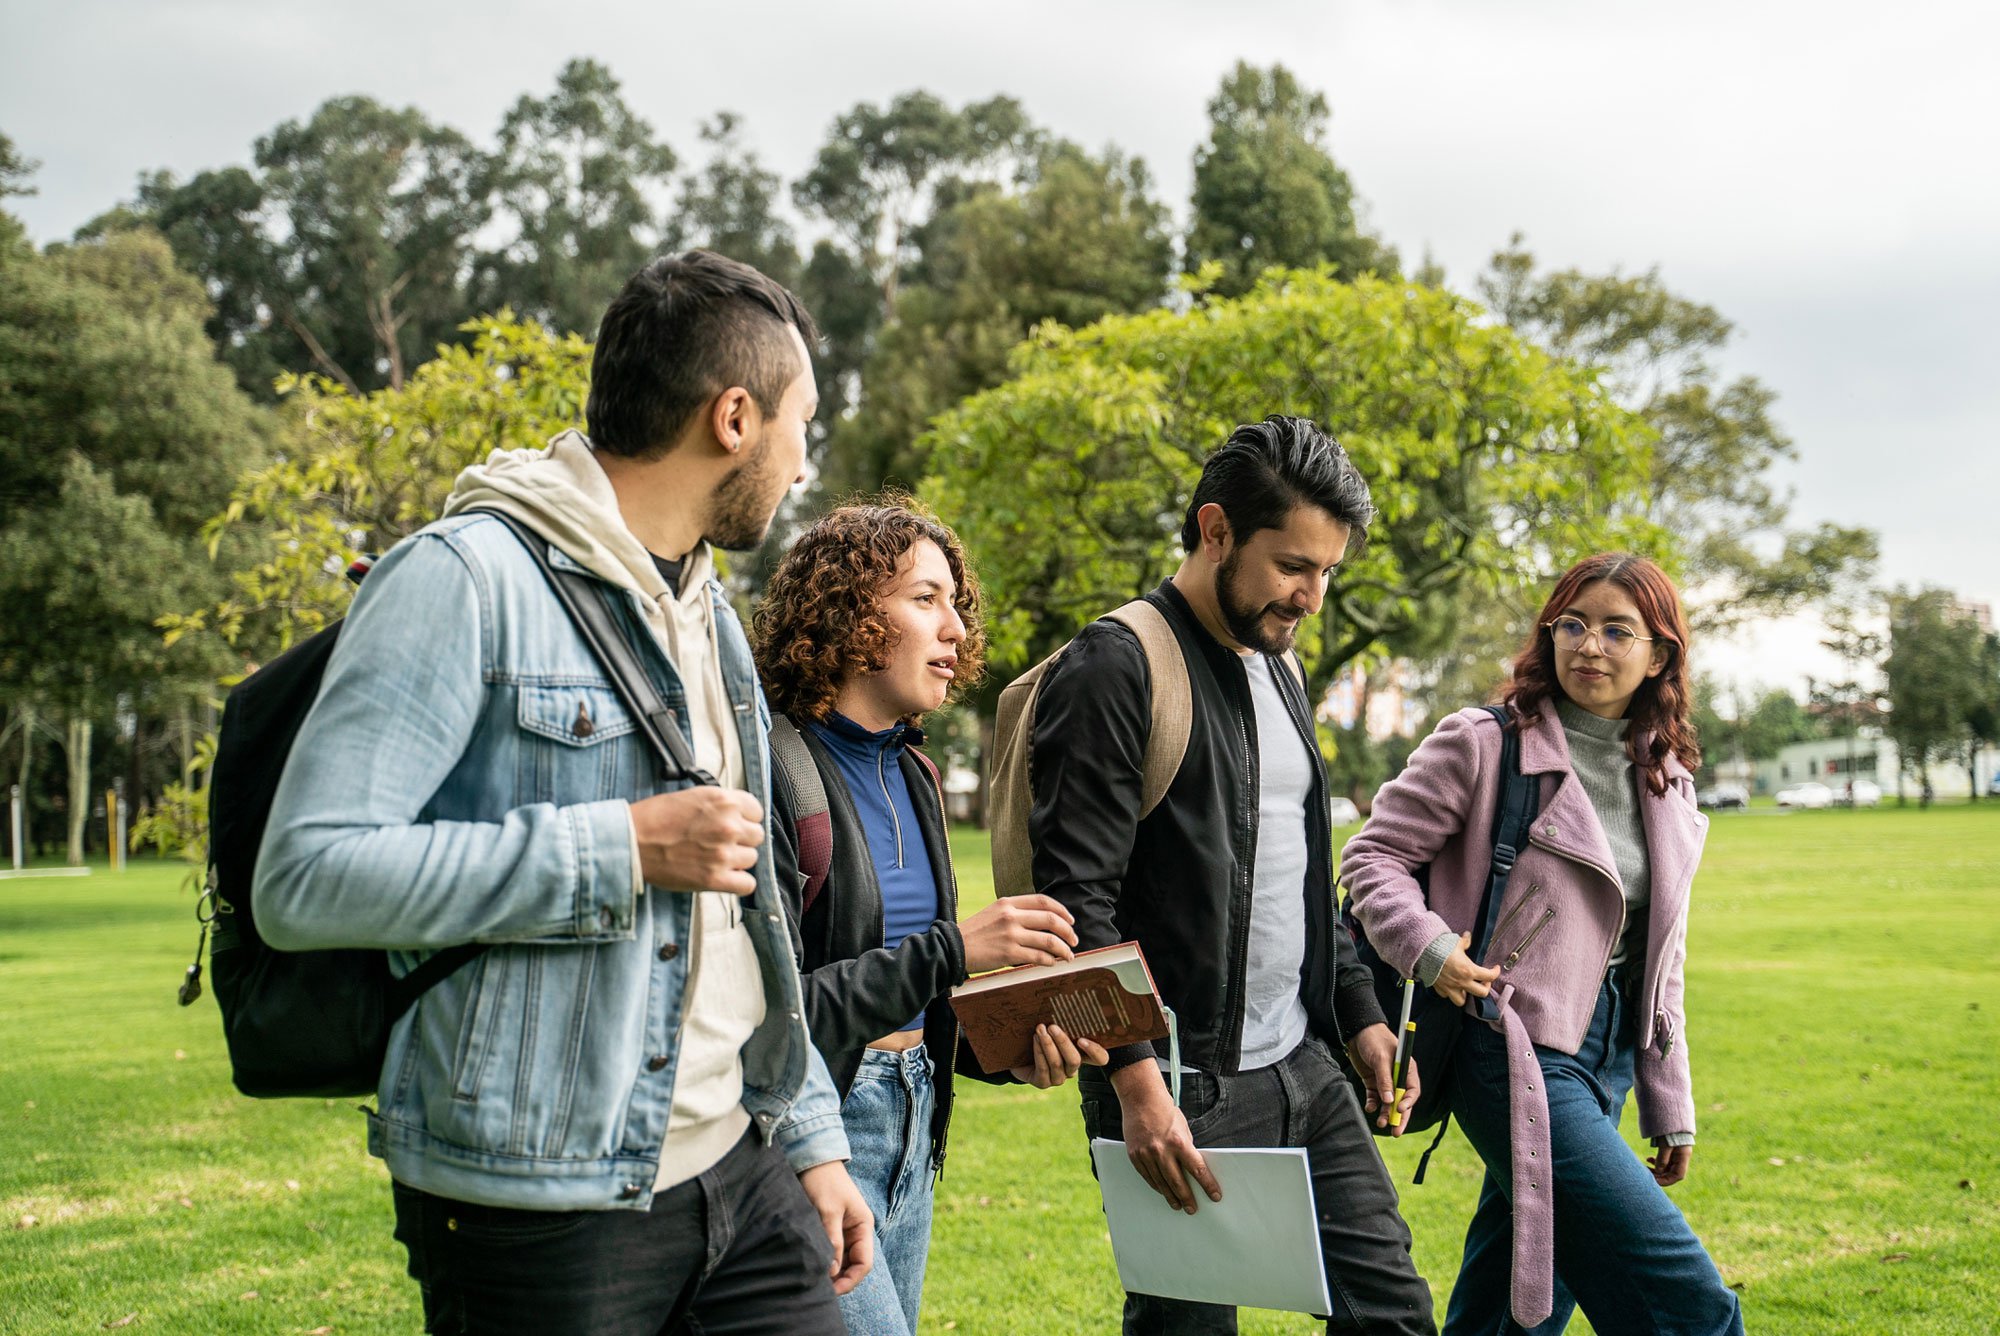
column 1274, row 1018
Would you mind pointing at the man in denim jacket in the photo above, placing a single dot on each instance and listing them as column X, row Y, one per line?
column 613, row 1120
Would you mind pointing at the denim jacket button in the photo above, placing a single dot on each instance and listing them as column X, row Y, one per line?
column 657, row 1063
column 668, row 951
column 629, row 1191
column 607, row 918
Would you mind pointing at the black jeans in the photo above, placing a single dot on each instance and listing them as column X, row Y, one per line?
column 737, row 1249
column 1301, row 1101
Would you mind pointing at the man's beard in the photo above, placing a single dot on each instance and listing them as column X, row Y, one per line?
column 1245, row 619
column 738, row 515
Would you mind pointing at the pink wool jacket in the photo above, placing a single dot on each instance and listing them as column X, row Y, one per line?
column 1559, row 922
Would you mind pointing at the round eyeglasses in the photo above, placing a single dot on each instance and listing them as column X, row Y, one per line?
column 1616, row 640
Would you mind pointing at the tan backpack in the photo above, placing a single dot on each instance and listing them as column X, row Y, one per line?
column 1009, row 796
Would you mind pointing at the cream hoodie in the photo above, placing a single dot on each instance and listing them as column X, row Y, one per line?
column 565, row 496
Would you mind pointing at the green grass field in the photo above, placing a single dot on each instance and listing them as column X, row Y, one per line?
column 1843, row 1032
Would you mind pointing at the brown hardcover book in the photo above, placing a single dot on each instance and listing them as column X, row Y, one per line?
column 1106, row 995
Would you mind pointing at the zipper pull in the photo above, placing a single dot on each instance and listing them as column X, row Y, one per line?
column 1666, row 1024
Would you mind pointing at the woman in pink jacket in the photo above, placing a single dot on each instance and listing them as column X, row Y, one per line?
column 1585, row 964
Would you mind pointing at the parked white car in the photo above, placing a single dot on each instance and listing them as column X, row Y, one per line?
column 1724, row 795
column 1809, row 794
column 1860, row 793
column 1344, row 812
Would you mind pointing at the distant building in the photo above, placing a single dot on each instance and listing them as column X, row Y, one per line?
column 1381, row 699
column 1870, row 756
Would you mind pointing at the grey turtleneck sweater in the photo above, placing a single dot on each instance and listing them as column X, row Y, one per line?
column 1597, row 755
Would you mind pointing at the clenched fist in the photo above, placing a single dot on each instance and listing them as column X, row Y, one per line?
column 699, row 839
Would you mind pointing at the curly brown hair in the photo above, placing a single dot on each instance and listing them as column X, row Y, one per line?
column 820, row 622
column 1660, row 712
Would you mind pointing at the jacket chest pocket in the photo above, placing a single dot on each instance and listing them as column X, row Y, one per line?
column 577, row 744
column 1518, row 928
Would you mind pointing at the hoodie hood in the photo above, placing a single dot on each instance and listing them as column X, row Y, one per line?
column 562, row 492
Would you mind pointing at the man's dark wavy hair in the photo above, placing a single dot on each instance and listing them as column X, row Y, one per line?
column 681, row 331
column 1266, row 468
column 820, row 620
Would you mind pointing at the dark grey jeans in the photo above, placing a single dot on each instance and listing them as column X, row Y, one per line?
column 1301, row 1101
column 738, row 1249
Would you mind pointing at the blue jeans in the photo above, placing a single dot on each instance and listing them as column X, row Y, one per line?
column 1624, row 1252
column 888, row 1117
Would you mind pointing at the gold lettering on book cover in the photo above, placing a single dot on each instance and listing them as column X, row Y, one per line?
column 1078, row 1013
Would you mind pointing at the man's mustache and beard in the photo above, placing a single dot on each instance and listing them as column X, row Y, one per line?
column 745, row 502
column 1268, row 628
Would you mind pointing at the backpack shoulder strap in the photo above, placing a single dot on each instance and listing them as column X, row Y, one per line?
column 809, row 814
column 582, row 598
column 1520, row 797
column 1173, row 699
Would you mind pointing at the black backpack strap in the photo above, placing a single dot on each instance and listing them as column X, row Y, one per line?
column 583, row 598
column 431, row 971
column 1424, row 1163
column 1520, row 797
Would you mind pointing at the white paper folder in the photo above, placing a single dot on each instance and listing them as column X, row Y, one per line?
column 1258, row 1247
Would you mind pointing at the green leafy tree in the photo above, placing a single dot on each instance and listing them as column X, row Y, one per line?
column 1490, row 462
column 1936, row 678
column 580, row 178
column 1850, row 702
column 1080, row 238
column 1982, row 706
column 731, row 205
column 119, row 433
column 874, row 178
column 874, row 182
column 1719, row 442
column 360, row 472
column 15, row 172
column 1267, row 193
column 346, row 251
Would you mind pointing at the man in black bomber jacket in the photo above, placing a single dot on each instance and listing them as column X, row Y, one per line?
column 1228, row 885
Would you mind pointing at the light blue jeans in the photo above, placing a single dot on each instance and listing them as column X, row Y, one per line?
column 888, row 1117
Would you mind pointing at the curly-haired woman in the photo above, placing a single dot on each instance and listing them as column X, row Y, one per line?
column 1585, row 965
column 871, row 622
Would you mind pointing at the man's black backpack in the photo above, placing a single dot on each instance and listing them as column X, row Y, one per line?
column 318, row 1022
column 1435, row 1022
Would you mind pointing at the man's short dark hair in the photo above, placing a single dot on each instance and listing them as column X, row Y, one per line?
column 1268, row 467
column 681, row 331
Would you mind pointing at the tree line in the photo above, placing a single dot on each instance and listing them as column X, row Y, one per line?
column 221, row 388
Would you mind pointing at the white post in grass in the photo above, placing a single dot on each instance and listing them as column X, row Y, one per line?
column 14, row 815
column 117, row 815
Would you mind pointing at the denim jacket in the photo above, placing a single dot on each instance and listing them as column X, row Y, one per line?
column 464, row 776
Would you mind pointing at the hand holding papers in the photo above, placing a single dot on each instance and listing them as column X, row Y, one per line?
column 1258, row 1247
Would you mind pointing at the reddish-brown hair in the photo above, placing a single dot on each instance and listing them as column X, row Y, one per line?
column 1659, row 713
column 820, row 620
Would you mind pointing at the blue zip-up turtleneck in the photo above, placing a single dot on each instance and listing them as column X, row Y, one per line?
column 872, row 766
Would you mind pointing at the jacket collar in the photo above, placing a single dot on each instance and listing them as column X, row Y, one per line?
column 838, row 730
column 1568, row 824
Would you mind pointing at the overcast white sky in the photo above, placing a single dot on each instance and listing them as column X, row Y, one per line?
column 1823, row 173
